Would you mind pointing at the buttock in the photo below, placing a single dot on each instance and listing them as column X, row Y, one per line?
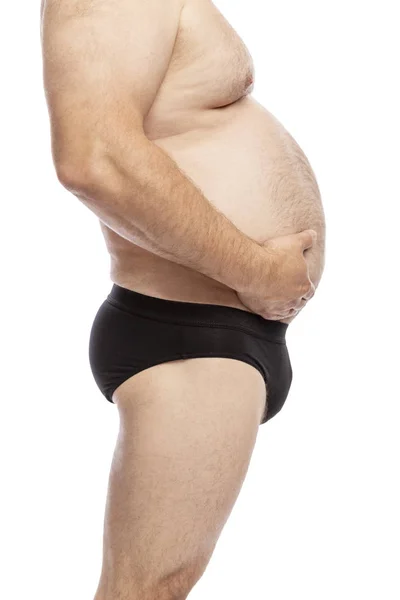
column 132, row 332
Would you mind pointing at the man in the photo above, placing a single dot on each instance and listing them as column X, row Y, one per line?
column 213, row 220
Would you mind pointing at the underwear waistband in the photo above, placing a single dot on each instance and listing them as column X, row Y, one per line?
column 193, row 313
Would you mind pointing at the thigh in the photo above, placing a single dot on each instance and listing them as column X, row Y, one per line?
column 187, row 432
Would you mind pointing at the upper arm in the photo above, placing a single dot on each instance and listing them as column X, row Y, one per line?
column 103, row 64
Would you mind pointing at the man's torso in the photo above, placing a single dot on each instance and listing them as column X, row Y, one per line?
column 233, row 149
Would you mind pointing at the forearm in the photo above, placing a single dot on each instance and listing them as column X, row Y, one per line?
column 152, row 203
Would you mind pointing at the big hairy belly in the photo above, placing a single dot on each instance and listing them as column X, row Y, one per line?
column 251, row 169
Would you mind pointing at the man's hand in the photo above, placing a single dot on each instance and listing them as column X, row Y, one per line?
column 287, row 286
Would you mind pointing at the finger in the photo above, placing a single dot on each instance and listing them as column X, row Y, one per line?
column 307, row 238
column 300, row 304
column 310, row 293
column 271, row 317
column 280, row 316
column 268, row 316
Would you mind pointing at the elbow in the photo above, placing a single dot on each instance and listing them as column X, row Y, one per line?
column 94, row 178
column 77, row 177
column 78, row 163
column 98, row 176
column 89, row 168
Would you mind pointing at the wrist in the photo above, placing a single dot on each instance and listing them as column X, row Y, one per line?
column 256, row 270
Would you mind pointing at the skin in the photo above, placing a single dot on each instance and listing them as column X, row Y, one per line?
column 202, row 196
column 115, row 148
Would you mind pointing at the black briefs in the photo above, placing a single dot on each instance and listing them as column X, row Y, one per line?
column 132, row 332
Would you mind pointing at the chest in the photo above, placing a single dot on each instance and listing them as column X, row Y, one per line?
column 210, row 64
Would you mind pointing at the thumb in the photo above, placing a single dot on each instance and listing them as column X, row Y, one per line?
column 307, row 238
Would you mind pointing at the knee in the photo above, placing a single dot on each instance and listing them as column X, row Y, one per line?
column 178, row 583
column 172, row 584
column 154, row 579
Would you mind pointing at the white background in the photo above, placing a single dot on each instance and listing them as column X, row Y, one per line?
column 318, row 516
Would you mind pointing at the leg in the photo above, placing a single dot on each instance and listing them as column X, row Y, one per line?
column 187, row 432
